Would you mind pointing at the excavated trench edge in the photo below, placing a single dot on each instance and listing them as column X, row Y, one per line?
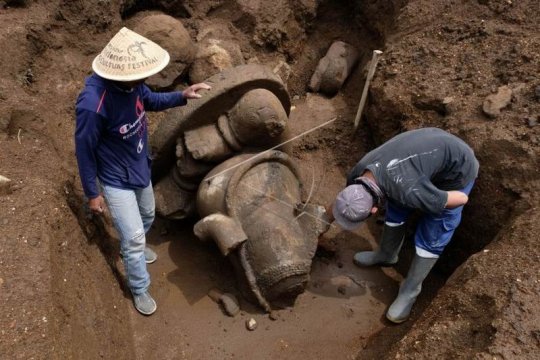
column 381, row 340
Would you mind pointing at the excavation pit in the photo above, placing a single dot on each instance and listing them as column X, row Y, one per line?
column 61, row 290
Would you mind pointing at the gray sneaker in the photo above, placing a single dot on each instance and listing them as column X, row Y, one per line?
column 149, row 255
column 144, row 303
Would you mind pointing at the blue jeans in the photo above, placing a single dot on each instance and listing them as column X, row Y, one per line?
column 133, row 212
column 434, row 231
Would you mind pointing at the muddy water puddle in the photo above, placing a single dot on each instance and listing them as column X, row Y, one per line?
column 342, row 306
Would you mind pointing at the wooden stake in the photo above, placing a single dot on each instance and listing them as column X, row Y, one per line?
column 371, row 71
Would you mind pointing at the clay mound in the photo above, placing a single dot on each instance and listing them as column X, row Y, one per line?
column 170, row 34
column 217, row 51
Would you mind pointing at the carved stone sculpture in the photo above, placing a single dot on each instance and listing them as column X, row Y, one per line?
column 250, row 204
column 251, row 207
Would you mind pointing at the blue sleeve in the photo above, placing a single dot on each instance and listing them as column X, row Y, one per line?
column 87, row 136
column 161, row 101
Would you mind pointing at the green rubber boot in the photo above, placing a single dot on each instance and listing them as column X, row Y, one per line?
column 387, row 253
column 410, row 288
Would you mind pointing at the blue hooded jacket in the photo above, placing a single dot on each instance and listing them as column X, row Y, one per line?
column 111, row 135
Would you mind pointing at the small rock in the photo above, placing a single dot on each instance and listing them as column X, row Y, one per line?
column 165, row 29
column 227, row 300
column 216, row 52
column 230, row 304
column 342, row 282
column 495, row 102
column 5, row 185
column 251, row 324
column 532, row 121
column 449, row 105
column 273, row 315
column 443, row 106
column 334, row 68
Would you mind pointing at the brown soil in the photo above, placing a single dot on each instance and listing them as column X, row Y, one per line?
column 60, row 280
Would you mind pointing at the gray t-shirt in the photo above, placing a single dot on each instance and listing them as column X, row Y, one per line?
column 416, row 168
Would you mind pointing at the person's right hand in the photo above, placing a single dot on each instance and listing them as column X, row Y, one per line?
column 97, row 205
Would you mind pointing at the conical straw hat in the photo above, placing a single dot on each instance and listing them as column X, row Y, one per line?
column 130, row 56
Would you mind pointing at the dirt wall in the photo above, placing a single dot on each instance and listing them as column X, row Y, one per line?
column 440, row 64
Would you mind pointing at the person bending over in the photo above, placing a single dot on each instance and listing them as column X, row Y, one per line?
column 426, row 169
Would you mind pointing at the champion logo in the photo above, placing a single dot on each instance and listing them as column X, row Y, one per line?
column 138, row 126
column 125, row 128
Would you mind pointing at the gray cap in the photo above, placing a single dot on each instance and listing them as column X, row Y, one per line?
column 352, row 206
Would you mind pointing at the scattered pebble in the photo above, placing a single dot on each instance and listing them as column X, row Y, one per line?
column 273, row 315
column 495, row 102
column 228, row 301
column 251, row 324
column 532, row 121
column 449, row 105
column 230, row 304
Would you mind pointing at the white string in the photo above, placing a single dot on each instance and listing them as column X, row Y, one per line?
column 280, row 201
column 272, row 148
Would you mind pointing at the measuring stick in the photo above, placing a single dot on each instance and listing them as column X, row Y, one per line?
column 371, row 71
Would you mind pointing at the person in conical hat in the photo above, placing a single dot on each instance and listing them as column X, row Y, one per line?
column 428, row 170
column 111, row 145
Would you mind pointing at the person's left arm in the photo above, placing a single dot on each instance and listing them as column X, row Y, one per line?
column 161, row 101
column 424, row 195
